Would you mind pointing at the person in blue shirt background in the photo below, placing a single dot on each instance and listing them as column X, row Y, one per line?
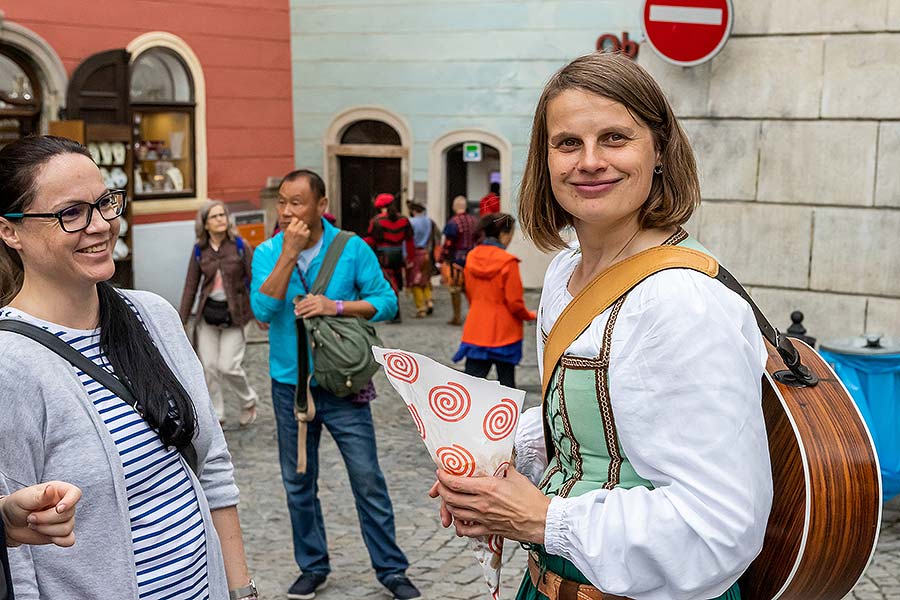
column 284, row 267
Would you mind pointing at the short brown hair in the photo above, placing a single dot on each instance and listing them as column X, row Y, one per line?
column 673, row 195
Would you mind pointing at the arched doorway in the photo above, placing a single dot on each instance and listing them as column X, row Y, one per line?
column 363, row 177
column 366, row 153
column 449, row 175
column 471, row 178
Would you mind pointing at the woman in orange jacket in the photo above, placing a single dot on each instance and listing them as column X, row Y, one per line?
column 492, row 334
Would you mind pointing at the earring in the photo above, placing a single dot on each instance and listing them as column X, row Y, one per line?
column 657, row 169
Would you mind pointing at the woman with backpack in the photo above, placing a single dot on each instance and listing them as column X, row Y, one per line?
column 220, row 268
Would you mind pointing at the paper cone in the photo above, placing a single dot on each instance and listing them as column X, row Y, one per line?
column 468, row 425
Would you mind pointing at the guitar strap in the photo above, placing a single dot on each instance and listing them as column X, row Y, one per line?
column 618, row 280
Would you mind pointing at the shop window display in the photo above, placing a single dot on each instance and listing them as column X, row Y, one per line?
column 20, row 97
column 162, row 103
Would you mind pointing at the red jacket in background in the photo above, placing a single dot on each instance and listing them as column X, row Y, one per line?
column 496, row 303
column 489, row 205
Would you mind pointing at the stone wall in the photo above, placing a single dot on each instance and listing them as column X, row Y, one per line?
column 796, row 127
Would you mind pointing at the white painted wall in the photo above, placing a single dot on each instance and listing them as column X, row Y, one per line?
column 161, row 255
column 478, row 179
column 443, row 66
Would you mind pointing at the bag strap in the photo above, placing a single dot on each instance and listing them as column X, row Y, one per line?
column 619, row 279
column 609, row 286
column 78, row 360
column 330, row 261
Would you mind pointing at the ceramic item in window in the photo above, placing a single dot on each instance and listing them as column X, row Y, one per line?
column 138, row 181
column 95, row 152
column 106, row 157
column 107, row 178
column 176, row 142
column 120, row 250
column 118, row 177
column 118, row 153
column 175, row 176
column 123, row 227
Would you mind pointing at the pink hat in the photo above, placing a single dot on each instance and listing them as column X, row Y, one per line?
column 382, row 200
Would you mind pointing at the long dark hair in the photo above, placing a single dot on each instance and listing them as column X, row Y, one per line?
column 124, row 339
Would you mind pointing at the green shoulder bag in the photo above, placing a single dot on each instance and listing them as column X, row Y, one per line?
column 341, row 346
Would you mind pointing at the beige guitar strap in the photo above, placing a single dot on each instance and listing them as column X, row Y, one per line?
column 602, row 292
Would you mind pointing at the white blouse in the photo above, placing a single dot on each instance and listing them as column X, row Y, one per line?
column 685, row 374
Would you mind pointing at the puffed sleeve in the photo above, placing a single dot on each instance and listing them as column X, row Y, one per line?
column 686, row 366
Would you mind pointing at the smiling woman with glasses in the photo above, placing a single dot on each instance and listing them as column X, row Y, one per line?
column 116, row 399
column 77, row 216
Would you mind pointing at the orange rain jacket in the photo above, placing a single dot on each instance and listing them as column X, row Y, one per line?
column 496, row 306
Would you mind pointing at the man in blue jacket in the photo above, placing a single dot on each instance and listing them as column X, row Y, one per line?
column 284, row 267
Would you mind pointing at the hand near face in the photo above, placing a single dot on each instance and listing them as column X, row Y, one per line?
column 315, row 305
column 41, row 514
column 296, row 235
column 512, row 506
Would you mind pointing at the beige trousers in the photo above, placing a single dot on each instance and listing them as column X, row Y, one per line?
column 221, row 352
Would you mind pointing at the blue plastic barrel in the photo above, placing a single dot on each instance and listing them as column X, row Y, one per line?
column 870, row 368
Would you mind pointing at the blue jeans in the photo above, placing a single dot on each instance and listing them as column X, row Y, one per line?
column 351, row 427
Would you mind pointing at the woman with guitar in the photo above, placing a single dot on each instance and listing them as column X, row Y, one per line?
column 645, row 474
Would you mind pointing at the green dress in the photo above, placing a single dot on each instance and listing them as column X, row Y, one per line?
column 578, row 405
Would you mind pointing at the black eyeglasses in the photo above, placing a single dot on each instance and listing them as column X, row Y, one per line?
column 77, row 217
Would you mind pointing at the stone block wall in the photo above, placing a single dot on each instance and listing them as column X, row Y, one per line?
column 796, row 128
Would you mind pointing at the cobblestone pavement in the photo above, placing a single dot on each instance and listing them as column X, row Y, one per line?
column 440, row 564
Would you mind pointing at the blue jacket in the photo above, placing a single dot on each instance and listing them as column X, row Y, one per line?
column 356, row 277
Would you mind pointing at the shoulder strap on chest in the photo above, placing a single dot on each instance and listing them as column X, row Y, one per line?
column 239, row 242
column 608, row 287
column 332, row 255
column 78, row 360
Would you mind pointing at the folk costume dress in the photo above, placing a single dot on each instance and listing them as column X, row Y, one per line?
column 660, row 482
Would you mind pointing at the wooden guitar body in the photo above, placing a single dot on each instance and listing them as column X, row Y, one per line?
column 826, row 510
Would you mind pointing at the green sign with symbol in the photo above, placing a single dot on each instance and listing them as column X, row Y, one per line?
column 472, row 152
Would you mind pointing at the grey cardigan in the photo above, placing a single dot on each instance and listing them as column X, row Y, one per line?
column 50, row 430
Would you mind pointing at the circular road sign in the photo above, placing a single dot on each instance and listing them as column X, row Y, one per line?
column 687, row 32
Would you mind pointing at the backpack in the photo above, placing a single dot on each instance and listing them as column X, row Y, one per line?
column 343, row 362
column 239, row 242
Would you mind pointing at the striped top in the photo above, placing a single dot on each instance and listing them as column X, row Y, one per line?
column 167, row 531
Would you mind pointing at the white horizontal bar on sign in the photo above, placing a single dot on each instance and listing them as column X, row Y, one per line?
column 686, row 14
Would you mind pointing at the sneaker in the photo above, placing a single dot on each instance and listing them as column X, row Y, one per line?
column 306, row 585
column 402, row 588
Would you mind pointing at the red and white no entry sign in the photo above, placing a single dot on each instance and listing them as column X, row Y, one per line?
column 687, row 32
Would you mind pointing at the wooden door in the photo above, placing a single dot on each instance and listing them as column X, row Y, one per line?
column 362, row 178
column 99, row 91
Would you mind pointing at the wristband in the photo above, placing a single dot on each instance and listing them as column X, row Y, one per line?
column 339, row 306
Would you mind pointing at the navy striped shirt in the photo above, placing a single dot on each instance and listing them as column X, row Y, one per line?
column 167, row 530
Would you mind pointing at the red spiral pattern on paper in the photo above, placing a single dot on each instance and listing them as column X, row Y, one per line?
column 495, row 544
column 402, row 366
column 420, row 426
column 456, row 460
column 501, row 419
column 501, row 470
column 450, row 402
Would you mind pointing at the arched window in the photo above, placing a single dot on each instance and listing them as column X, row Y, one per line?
column 20, row 96
column 369, row 131
column 162, row 105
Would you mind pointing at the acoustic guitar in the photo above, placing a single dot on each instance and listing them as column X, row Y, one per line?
column 826, row 508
